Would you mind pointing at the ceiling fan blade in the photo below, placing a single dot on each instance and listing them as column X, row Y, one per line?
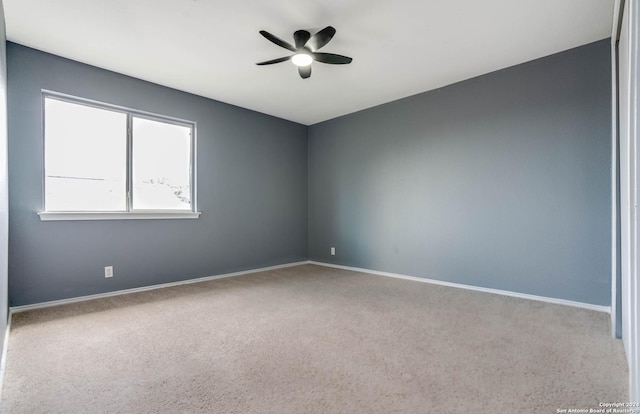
column 272, row 61
column 304, row 71
column 277, row 40
column 331, row 58
column 301, row 37
column 321, row 38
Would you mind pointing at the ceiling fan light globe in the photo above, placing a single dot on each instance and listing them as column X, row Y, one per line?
column 301, row 59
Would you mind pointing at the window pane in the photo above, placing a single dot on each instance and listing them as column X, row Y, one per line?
column 161, row 165
column 85, row 158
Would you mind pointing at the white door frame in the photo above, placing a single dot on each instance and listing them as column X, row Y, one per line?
column 614, row 169
column 626, row 21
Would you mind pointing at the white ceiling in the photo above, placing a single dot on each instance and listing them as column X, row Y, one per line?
column 399, row 48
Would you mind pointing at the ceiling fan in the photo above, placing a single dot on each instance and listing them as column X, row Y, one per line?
column 305, row 50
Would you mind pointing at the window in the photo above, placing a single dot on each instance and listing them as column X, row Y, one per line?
column 103, row 162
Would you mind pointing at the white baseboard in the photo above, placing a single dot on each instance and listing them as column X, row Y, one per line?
column 599, row 308
column 23, row 308
column 3, row 361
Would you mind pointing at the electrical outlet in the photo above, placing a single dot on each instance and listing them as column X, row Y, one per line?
column 333, row 251
column 108, row 271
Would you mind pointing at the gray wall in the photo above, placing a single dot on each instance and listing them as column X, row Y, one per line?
column 252, row 191
column 4, row 184
column 501, row 181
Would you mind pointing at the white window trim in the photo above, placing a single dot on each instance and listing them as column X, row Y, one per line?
column 133, row 214
column 115, row 215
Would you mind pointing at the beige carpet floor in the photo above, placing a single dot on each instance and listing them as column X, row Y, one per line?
column 311, row 339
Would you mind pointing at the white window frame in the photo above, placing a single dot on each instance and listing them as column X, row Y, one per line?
column 130, row 213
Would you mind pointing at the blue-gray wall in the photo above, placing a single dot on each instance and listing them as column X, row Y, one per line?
column 501, row 181
column 4, row 184
column 252, row 191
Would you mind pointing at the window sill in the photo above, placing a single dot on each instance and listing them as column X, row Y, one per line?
column 68, row 216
